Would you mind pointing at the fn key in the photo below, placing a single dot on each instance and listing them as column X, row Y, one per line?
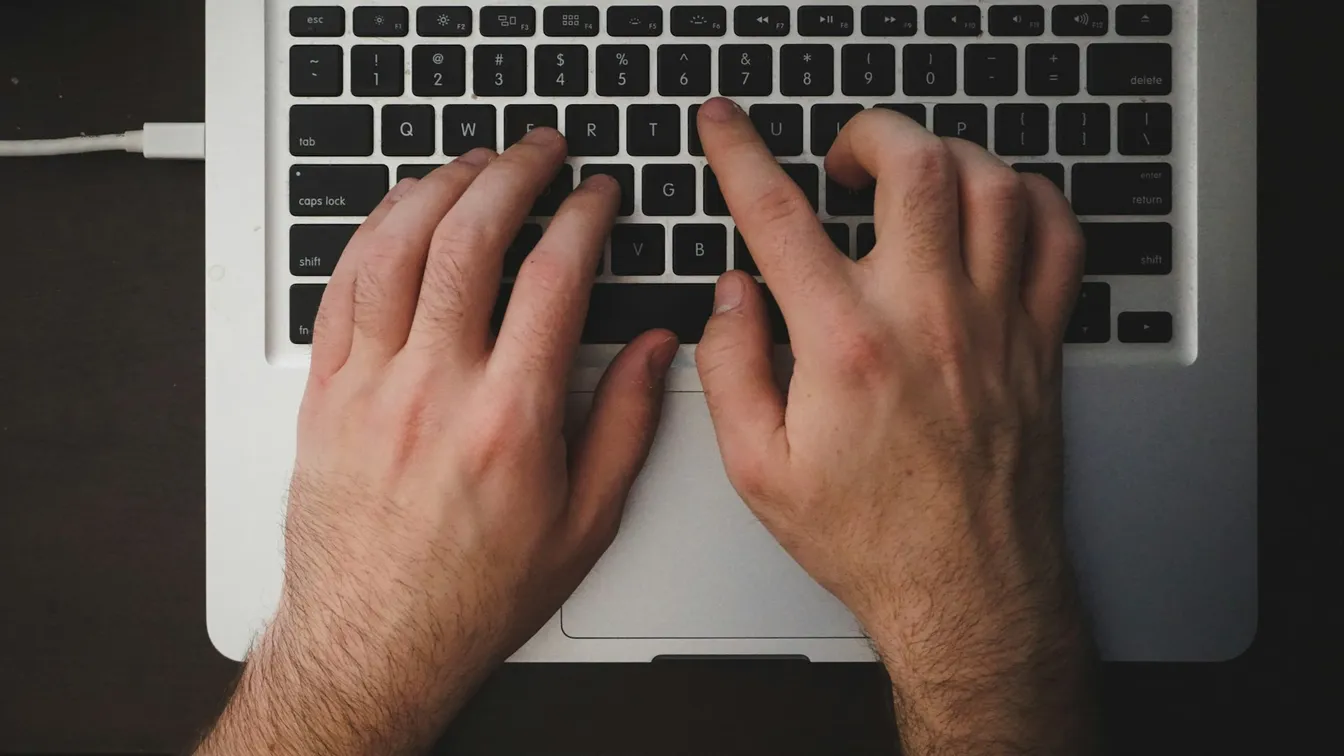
column 303, row 302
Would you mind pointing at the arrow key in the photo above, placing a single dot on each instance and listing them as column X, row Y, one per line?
column 1145, row 327
column 1017, row 20
column 761, row 20
column 890, row 20
column 1091, row 322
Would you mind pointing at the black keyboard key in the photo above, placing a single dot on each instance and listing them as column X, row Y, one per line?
column 865, row 240
column 693, row 144
column 509, row 21
column 529, row 236
column 912, row 110
column 839, row 233
column 1122, row 189
column 439, row 70
column 869, row 70
column 624, row 175
column 638, row 249
column 668, row 190
column 1091, row 321
column 890, row 20
column 408, row 130
column 1052, row 70
column 742, row 259
column 1017, row 20
column 571, row 21
column 304, row 299
column 1052, row 171
column 634, row 21
column 930, row 70
column 806, row 176
column 1080, row 20
column 715, row 204
column 315, row 249
column 699, row 249
column 699, row 21
column 317, row 21
column 342, row 190
column 952, row 20
column 826, row 20
column 555, row 193
column 969, row 122
column 499, row 70
column 377, row 70
column 1128, row 249
column 1021, row 129
column 415, row 170
column 562, row 70
column 781, row 126
column 1143, row 20
column 466, row 127
column 683, row 71
column 316, row 70
column 827, row 121
column 653, row 130
column 593, row 129
column 844, row 202
column 520, row 119
column 331, row 130
column 622, row 70
column 746, row 70
column 807, row 70
column 1129, row 69
column 1145, row 128
column 617, row 313
column 443, row 21
column 1144, row 327
column 991, row 70
column 1083, row 129
column 382, row 21
column 761, row 21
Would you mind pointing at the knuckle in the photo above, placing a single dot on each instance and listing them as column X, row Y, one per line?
column 929, row 159
column 779, row 202
column 446, row 279
column 460, row 238
column 750, row 477
column 999, row 186
column 863, row 352
column 545, row 271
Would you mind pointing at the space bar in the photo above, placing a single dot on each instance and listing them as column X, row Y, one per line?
column 617, row 313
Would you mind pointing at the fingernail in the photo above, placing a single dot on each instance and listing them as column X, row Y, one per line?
column 478, row 157
column 402, row 188
column 728, row 294
column 660, row 359
column 541, row 135
column 720, row 109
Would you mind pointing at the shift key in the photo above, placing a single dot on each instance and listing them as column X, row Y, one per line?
column 340, row 190
column 1122, row 189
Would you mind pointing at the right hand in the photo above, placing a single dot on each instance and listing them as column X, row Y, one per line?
column 915, row 468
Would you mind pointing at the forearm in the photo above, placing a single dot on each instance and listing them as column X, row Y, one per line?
column 291, row 701
column 955, row 696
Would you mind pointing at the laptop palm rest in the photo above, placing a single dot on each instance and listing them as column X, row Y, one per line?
column 691, row 560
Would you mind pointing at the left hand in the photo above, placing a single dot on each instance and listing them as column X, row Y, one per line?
column 437, row 517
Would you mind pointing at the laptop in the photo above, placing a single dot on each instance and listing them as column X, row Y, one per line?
column 1143, row 113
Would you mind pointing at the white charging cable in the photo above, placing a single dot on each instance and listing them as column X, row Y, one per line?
column 156, row 141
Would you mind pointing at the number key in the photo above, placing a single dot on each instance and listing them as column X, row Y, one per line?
column 683, row 70
column 807, row 70
column 868, row 70
column 439, row 70
column 562, row 70
column 930, row 70
column 377, row 70
column 746, row 70
column 622, row 70
column 500, row 70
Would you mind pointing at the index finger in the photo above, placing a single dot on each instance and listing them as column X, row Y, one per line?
column 796, row 257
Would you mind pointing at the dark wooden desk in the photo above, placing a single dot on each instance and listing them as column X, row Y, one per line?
column 102, row 637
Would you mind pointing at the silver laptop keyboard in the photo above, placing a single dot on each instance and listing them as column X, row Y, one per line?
column 1079, row 93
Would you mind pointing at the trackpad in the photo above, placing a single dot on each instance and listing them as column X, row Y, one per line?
column 691, row 560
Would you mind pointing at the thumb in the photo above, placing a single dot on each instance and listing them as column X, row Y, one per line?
column 616, row 440
column 734, row 359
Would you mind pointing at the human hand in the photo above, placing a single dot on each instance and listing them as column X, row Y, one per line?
column 915, row 468
column 437, row 517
